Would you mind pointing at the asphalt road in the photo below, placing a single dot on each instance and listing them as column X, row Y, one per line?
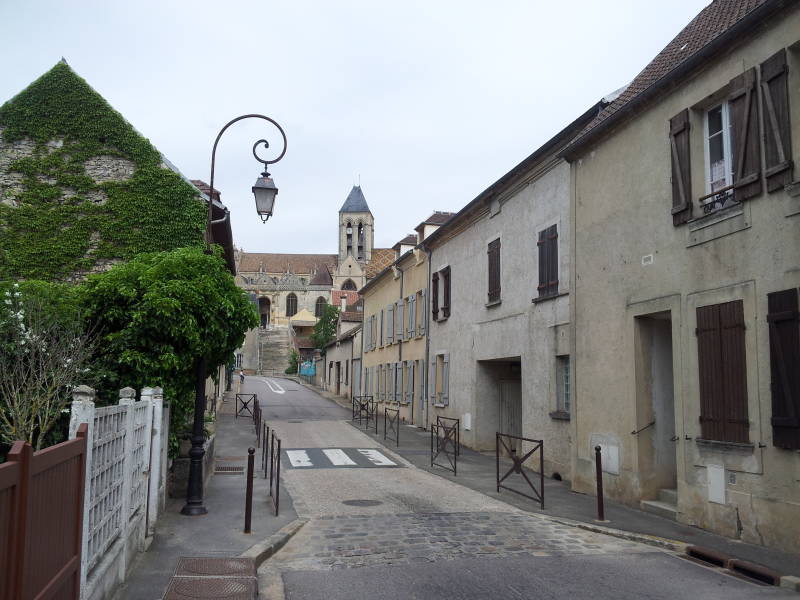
column 401, row 532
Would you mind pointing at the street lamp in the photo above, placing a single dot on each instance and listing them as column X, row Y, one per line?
column 264, row 192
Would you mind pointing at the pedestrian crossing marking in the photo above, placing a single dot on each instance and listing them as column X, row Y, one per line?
column 377, row 458
column 338, row 457
column 299, row 458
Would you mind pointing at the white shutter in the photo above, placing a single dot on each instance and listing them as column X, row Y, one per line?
column 423, row 311
column 390, row 324
column 432, row 382
column 410, row 381
column 446, row 380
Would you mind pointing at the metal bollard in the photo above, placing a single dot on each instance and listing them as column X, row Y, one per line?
column 598, row 461
column 248, row 499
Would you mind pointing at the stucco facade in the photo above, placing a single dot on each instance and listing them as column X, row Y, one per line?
column 639, row 283
column 341, row 364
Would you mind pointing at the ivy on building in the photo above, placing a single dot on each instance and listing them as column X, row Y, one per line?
column 54, row 227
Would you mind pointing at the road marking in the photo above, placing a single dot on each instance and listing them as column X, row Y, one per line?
column 274, row 386
column 376, row 457
column 299, row 458
column 338, row 457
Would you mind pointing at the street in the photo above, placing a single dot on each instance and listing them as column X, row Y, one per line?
column 378, row 527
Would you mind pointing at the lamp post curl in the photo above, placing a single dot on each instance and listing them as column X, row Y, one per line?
column 264, row 191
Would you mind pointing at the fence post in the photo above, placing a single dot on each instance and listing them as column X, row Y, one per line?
column 154, row 469
column 248, row 497
column 598, row 460
column 22, row 454
column 82, row 410
column 127, row 396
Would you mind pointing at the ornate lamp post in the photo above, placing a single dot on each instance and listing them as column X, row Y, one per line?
column 264, row 192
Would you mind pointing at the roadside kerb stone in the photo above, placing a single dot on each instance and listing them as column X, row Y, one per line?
column 263, row 550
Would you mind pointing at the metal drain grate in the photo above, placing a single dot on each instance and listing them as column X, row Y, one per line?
column 295, row 421
column 243, row 567
column 362, row 502
column 229, row 469
column 231, row 588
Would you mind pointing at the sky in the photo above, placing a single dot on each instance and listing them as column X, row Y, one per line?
column 425, row 103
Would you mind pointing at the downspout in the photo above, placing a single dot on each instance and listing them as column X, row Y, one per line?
column 400, row 342
column 428, row 252
column 352, row 368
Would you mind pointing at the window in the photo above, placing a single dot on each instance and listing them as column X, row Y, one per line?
column 435, row 296
column 493, row 253
column 784, row 352
column 439, row 379
column 349, row 285
column 719, row 164
column 562, row 384
column 346, row 371
column 420, row 311
column 445, row 292
column 319, row 308
column 349, row 234
column 722, row 370
column 548, row 261
column 361, row 242
column 291, row 305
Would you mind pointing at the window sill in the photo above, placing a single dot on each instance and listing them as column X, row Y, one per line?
column 560, row 415
column 441, row 320
column 721, row 445
column 438, row 405
column 493, row 303
column 718, row 224
column 550, row 297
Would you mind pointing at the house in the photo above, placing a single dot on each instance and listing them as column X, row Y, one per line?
column 685, row 276
column 500, row 352
column 395, row 349
column 341, row 365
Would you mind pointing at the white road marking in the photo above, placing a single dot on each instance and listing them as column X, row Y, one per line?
column 376, row 457
column 338, row 457
column 274, row 386
column 299, row 458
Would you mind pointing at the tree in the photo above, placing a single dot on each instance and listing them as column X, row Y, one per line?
column 43, row 353
column 162, row 315
column 325, row 329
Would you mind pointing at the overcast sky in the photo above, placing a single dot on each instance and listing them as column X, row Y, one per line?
column 426, row 102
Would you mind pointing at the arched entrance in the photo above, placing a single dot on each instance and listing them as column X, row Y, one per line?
column 264, row 310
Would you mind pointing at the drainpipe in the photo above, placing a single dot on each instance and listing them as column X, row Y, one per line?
column 428, row 252
column 400, row 341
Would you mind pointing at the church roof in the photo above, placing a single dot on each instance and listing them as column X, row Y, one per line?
column 251, row 262
column 322, row 276
column 355, row 202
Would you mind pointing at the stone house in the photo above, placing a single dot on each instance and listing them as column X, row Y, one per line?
column 395, row 349
column 685, row 276
column 500, row 354
column 341, row 364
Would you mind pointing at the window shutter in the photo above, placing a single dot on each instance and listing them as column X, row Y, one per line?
column 681, row 168
column 423, row 309
column 410, row 381
column 411, row 329
column 446, row 292
column 399, row 314
column 398, row 382
column 390, row 324
column 734, row 371
column 784, row 350
column 552, row 259
column 435, row 296
column 541, row 244
column 446, row 379
column 379, row 383
column 777, row 135
column 493, row 253
column 745, row 141
column 420, row 379
column 709, row 365
column 381, row 338
column 432, row 381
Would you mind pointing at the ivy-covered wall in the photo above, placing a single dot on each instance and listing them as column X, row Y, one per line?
column 80, row 189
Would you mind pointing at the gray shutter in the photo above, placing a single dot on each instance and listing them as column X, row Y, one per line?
column 681, row 168
column 777, row 131
column 410, row 381
column 399, row 324
column 446, row 380
column 412, row 316
column 390, row 324
column 432, row 381
column 423, row 310
column 745, row 141
column 381, row 337
column 421, row 379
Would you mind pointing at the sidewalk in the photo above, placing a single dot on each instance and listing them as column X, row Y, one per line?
column 477, row 471
column 219, row 533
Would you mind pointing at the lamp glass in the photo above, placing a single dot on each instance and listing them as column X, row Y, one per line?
column 264, row 192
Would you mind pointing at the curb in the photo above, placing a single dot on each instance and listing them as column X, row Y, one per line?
column 642, row 538
column 263, row 550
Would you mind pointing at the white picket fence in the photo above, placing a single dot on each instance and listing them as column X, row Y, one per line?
column 125, row 482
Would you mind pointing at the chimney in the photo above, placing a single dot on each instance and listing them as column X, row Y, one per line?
column 344, row 303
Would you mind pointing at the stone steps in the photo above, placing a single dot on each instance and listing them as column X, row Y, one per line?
column 666, row 505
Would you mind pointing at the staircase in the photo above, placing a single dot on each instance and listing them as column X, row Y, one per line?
column 274, row 347
column 665, row 506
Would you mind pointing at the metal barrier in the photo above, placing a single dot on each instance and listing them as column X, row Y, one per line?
column 243, row 405
column 274, row 471
column 443, row 441
column 365, row 409
column 455, row 422
column 503, row 440
column 391, row 424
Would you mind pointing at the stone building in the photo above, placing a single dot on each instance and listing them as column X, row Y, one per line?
column 685, row 280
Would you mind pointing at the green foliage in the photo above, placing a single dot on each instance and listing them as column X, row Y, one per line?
column 325, row 329
column 293, row 359
column 58, row 228
column 160, row 314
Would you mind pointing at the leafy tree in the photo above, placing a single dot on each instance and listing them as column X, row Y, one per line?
column 293, row 358
column 163, row 315
column 325, row 329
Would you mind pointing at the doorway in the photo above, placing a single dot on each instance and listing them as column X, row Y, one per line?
column 655, row 404
column 264, row 306
column 338, row 377
column 511, row 411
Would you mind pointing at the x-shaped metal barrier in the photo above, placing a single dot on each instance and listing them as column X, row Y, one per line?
column 503, row 440
column 245, row 404
column 454, row 422
column 391, row 425
column 443, row 441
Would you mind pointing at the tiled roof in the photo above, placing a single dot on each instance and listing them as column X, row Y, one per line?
column 714, row 20
column 304, row 342
column 355, row 201
column 409, row 240
column 438, row 218
column 337, row 295
column 322, row 276
column 381, row 258
column 205, row 188
column 352, row 316
column 279, row 263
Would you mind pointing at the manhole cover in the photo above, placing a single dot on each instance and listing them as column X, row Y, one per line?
column 216, row 566
column 228, row 469
column 231, row 588
column 362, row 502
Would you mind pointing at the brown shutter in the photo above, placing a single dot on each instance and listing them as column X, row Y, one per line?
column 745, row 141
column 784, row 350
column 446, row 292
column 681, row 168
column 722, row 370
column 494, row 270
column 552, row 259
column 777, row 135
column 435, row 296
column 542, row 246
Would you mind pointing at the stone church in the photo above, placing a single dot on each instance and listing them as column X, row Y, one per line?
column 294, row 288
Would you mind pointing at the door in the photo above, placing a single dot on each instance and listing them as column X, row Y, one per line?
column 511, row 411
column 338, row 377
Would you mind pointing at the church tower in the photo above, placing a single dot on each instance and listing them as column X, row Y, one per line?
column 355, row 228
